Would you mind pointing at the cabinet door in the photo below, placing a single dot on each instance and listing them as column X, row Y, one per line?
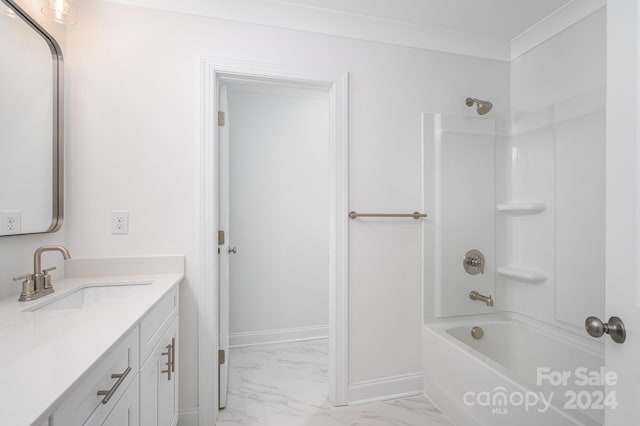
column 158, row 388
column 127, row 410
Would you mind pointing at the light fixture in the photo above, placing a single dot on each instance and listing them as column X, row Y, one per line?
column 61, row 11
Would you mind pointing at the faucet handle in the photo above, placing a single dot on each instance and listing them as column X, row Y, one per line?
column 47, row 286
column 25, row 277
column 28, row 290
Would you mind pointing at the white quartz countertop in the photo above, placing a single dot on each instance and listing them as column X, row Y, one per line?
column 43, row 353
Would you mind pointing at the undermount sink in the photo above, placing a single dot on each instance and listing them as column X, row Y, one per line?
column 89, row 295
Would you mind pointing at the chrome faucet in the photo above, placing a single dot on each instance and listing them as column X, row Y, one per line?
column 38, row 284
column 474, row 295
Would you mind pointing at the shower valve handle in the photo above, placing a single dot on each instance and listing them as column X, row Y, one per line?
column 473, row 262
column 614, row 328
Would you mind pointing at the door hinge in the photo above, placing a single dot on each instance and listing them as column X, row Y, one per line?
column 221, row 356
column 220, row 238
column 220, row 118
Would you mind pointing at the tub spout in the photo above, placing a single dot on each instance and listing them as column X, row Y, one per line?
column 474, row 295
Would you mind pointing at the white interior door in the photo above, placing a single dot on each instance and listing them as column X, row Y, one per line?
column 223, row 249
column 622, row 214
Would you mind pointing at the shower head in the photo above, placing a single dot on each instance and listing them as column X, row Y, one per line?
column 483, row 106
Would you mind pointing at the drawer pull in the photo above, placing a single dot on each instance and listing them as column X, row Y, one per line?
column 173, row 354
column 109, row 393
column 169, row 354
column 171, row 358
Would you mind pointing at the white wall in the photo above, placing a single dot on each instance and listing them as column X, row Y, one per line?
column 557, row 157
column 279, row 212
column 16, row 252
column 134, row 134
column 567, row 65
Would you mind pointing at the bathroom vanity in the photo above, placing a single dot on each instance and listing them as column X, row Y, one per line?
column 101, row 350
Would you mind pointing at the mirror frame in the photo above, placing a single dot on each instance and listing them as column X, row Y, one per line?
column 57, row 211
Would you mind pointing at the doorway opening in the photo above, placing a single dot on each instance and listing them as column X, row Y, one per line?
column 254, row 187
column 273, row 260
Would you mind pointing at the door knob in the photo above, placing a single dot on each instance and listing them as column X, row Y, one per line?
column 614, row 328
column 232, row 250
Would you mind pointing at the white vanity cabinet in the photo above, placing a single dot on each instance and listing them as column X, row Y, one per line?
column 99, row 390
column 135, row 382
column 159, row 382
column 127, row 411
column 158, row 361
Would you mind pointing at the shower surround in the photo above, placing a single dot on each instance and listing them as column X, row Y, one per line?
column 528, row 191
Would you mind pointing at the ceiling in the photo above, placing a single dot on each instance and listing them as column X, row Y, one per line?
column 504, row 19
column 494, row 29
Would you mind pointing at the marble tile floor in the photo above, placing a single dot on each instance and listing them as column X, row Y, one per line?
column 286, row 384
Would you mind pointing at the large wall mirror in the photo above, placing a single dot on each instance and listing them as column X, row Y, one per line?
column 31, row 123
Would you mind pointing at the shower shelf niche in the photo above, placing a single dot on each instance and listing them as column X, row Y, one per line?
column 522, row 274
column 521, row 208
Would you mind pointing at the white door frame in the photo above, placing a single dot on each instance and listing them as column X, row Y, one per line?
column 623, row 205
column 336, row 84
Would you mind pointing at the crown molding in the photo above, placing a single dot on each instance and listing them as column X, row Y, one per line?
column 341, row 24
column 553, row 24
column 327, row 22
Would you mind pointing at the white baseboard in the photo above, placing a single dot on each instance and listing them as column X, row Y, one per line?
column 386, row 388
column 188, row 417
column 237, row 340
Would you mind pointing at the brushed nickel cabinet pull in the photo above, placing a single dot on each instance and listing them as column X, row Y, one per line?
column 109, row 393
column 173, row 354
column 169, row 353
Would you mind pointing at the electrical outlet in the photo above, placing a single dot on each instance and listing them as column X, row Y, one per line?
column 120, row 222
column 10, row 222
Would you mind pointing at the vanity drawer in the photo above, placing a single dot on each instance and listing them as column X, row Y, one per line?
column 83, row 400
column 126, row 411
column 156, row 321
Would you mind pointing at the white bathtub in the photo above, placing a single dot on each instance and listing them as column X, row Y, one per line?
column 493, row 380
